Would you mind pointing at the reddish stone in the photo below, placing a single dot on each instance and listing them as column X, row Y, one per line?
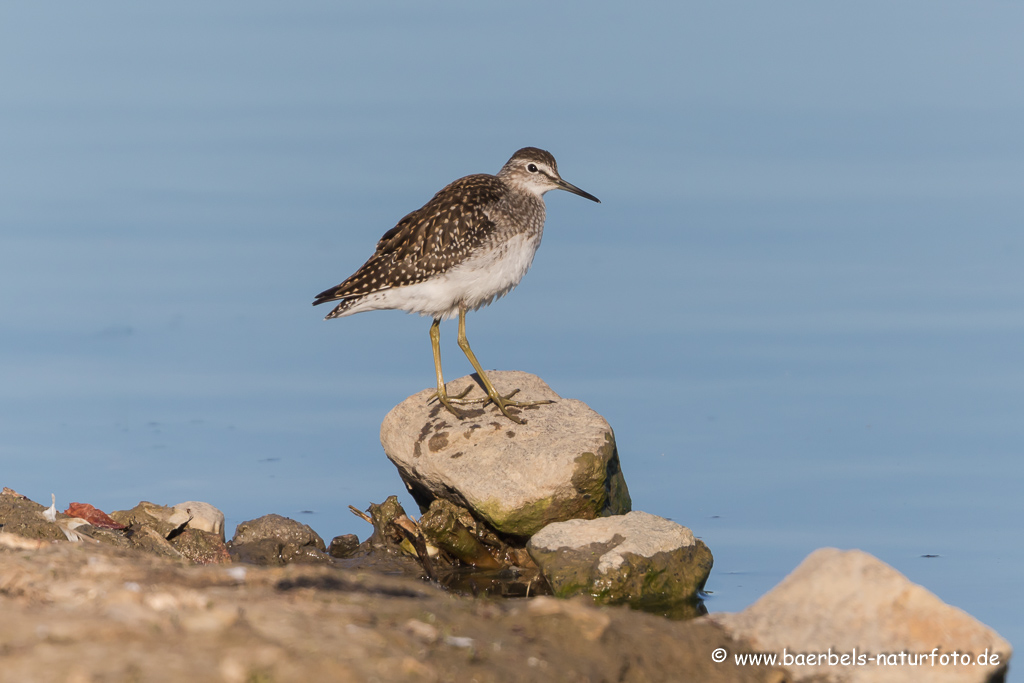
column 97, row 518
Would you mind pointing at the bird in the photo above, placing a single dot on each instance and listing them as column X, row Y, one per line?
column 470, row 244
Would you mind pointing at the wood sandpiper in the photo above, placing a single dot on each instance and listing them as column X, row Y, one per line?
column 470, row 244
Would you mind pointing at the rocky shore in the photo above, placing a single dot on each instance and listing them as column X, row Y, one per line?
column 85, row 613
column 525, row 563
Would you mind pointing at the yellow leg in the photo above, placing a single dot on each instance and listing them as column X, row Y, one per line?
column 442, row 391
column 493, row 396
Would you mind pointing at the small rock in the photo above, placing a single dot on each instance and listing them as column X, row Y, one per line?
column 204, row 517
column 562, row 464
column 201, row 547
column 837, row 601
column 150, row 515
column 638, row 558
column 276, row 540
column 343, row 546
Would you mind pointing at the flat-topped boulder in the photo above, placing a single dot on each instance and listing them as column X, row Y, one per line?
column 518, row 478
column 638, row 558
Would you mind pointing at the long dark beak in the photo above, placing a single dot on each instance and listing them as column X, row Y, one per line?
column 569, row 187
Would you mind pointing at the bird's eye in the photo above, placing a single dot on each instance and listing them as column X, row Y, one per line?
column 532, row 168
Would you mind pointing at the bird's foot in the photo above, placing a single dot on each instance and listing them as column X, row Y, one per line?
column 442, row 395
column 502, row 402
column 459, row 400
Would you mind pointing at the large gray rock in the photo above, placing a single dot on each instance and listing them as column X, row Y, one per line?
column 638, row 558
column 849, row 602
column 562, row 464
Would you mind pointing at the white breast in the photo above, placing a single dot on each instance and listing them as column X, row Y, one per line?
column 490, row 274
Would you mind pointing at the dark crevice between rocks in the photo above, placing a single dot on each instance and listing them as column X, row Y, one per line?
column 341, row 584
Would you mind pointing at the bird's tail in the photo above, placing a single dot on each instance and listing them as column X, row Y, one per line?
column 341, row 309
column 331, row 294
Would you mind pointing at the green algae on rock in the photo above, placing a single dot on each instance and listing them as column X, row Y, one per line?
column 638, row 559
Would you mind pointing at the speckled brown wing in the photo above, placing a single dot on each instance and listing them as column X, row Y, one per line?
column 428, row 241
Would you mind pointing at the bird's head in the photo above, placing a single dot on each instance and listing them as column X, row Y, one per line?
column 535, row 171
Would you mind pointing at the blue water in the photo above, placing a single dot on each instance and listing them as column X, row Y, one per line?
column 800, row 304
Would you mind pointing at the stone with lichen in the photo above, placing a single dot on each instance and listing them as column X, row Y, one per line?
column 638, row 559
column 518, row 478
